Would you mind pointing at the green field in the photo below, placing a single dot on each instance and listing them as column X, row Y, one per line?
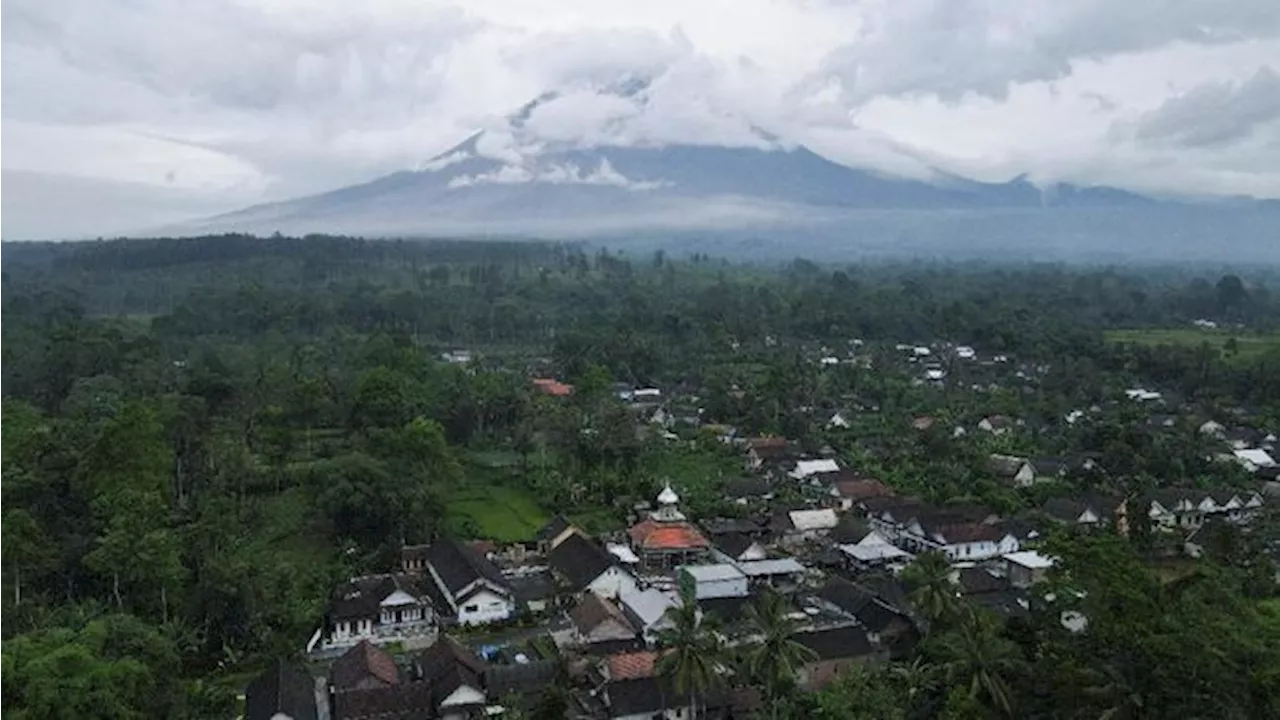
column 498, row 512
column 1247, row 346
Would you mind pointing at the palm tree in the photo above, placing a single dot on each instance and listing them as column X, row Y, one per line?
column 915, row 679
column 933, row 595
column 776, row 657
column 1110, row 694
column 975, row 655
column 695, row 651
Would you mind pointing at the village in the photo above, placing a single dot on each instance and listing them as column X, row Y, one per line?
column 476, row 628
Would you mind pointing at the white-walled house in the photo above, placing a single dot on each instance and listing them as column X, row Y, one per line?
column 961, row 542
column 586, row 566
column 472, row 586
column 390, row 608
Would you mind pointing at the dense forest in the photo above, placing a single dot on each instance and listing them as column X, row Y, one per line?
column 202, row 437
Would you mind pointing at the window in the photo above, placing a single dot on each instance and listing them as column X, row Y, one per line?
column 471, row 608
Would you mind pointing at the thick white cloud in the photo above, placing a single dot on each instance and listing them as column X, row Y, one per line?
column 249, row 100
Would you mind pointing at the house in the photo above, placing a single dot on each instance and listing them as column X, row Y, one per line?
column 597, row 620
column 802, row 525
column 736, row 547
column 744, row 491
column 1012, row 470
column 471, row 585
column 647, row 610
column 363, row 667
column 996, row 424
column 764, row 450
column 993, row 592
column 835, row 651
column 395, row 607
column 552, row 387
column 534, row 589
column 455, row 677
column 406, row 701
column 1172, row 508
column 889, row 515
column 923, row 422
column 645, row 698
column 805, row 469
column 783, row 574
column 1050, row 469
column 1251, row 459
column 1087, row 511
column 879, row 613
column 666, row 540
column 873, row 551
column 960, row 540
column 283, row 692
column 850, row 492
column 837, row 421
column 588, row 567
column 715, row 581
column 1027, row 568
column 556, row 529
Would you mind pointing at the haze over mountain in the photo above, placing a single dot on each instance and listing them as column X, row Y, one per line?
column 513, row 180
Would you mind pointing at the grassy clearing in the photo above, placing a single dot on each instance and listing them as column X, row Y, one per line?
column 1248, row 346
column 497, row 512
column 290, row 529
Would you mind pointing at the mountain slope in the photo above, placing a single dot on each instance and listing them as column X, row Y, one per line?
column 524, row 178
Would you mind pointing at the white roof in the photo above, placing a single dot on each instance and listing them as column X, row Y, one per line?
column 824, row 519
column 805, row 468
column 668, row 496
column 1255, row 456
column 650, row 605
column 713, row 573
column 780, row 566
column 1030, row 559
column 873, row 551
column 623, row 553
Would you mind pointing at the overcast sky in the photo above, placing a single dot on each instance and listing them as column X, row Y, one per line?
column 119, row 112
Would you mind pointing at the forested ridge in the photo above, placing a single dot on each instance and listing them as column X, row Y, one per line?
column 203, row 437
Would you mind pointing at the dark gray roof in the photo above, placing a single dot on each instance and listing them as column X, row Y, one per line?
column 650, row 695
column 580, row 560
column 459, row 565
column 977, row 581
column 448, row 665
column 1063, row 509
column 850, row 530
column 732, row 544
column 874, row 613
column 360, row 597
column 554, row 527
column 532, row 587
column 747, row 487
column 834, row 643
column 282, row 688
column 410, row 701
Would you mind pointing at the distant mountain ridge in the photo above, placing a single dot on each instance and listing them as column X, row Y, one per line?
column 508, row 181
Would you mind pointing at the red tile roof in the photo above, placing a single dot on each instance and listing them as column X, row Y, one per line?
column 364, row 660
column 628, row 666
column 864, row 489
column 653, row 535
column 551, row 386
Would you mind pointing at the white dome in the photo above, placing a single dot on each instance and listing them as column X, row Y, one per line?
column 668, row 496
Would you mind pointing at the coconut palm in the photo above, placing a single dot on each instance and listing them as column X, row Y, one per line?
column 776, row 657
column 933, row 595
column 974, row 655
column 695, row 652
